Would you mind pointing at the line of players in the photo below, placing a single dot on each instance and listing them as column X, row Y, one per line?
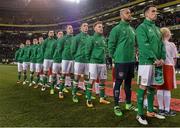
column 74, row 56
column 85, row 55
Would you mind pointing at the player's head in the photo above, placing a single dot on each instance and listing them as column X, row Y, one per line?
column 98, row 27
column 166, row 33
column 28, row 42
column 60, row 34
column 84, row 27
column 40, row 40
column 21, row 45
column 51, row 34
column 69, row 29
column 150, row 12
column 125, row 14
column 35, row 41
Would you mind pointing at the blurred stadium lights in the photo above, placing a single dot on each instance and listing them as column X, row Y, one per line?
column 106, row 14
column 166, row 8
column 75, row 1
column 141, row 3
column 134, row 18
column 29, row 34
column 27, row 2
column 141, row 15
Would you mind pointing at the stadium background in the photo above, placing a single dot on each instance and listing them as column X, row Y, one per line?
column 22, row 19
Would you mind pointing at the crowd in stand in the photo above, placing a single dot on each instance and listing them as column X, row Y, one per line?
column 164, row 19
column 84, row 9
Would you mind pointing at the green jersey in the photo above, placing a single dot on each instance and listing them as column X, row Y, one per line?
column 150, row 43
column 48, row 48
column 57, row 57
column 25, row 54
column 33, row 53
column 39, row 55
column 18, row 57
column 78, row 47
column 66, row 43
column 96, row 49
column 121, row 43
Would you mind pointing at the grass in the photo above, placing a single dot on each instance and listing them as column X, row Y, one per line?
column 22, row 106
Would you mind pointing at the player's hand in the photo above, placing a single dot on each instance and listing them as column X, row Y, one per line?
column 161, row 62
column 113, row 63
column 157, row 63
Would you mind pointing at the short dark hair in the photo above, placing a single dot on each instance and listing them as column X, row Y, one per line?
column 147, row 7
column 40, row 37
column 83, row 23
column 96, row 23
column 59, row 31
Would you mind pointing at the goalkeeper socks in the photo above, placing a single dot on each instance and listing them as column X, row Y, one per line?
column 127, row 88
column 116, row 91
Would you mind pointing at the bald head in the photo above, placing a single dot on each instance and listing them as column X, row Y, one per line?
column 125, row 14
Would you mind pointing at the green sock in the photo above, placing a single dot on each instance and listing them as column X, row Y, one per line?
column 62, row 81
column 86, row 84
column 89, row 91
column 31, row 77
column 101, row 90
column 19, row 75
column 61, row 87
column 53, row 82
column 72, row 78
column 150, row 98
column 37, row 79
column 140, row 100
column 25, row 76
column 75, row 85
column 45, row 79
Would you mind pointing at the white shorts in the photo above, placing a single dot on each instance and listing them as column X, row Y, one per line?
column 67, row 66
column 98, row 71
column 20, row 67
column 25, row 65
column 81, row 68
column 32, row 67
column 145, row 75
column 47, row 64
column 56, row 68
column 39, row 67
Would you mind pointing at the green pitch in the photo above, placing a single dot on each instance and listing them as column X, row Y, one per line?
column 25, row 106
